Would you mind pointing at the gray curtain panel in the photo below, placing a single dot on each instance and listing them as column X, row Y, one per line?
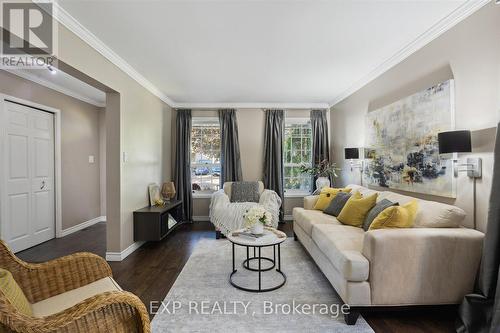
column 273, row 153
column 230, row 147
column 320, row 146
column 480, row 311
column 182, row 171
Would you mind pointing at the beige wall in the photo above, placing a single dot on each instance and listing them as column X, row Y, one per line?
column 79, row 138
column 135, row 127
column 102, row 160
column 251, row 138
column 470, row 54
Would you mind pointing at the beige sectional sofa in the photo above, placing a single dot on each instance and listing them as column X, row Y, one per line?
column 435, row 262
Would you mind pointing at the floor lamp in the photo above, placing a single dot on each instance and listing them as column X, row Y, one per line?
column 460, row 142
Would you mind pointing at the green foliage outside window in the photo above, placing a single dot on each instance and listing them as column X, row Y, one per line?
column 297, row 148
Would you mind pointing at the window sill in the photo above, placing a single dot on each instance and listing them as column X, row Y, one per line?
column 202, row 195
column 297, row 194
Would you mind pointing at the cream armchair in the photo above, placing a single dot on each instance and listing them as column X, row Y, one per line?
column 227, row 216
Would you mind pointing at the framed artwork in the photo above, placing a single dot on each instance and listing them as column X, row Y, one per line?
column 402, row 146
column 154, row 194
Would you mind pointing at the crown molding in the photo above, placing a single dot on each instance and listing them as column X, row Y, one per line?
column 61, row 15
column 462, row 12
column 56, row 87
column 458, row 15
column 252, row 105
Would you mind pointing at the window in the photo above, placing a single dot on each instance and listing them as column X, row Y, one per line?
column 297, row 151
column 205, row 155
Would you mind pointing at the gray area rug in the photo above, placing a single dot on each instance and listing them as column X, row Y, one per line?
column 203, row 300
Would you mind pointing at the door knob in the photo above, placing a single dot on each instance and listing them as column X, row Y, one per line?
column 43, row 185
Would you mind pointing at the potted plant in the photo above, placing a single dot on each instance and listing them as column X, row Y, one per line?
column 323, row 170
column 256, row 218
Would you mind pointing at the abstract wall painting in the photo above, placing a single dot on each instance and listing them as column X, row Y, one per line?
column 402, row 147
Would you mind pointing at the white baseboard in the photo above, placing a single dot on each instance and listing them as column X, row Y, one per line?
column 201, row 218
column 288, row 218
column 119, row 256
column 82, row 225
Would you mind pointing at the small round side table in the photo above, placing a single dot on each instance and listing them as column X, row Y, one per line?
column 272, row 237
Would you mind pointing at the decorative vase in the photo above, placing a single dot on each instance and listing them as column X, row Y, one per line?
column 322, row 182
column 257, row 229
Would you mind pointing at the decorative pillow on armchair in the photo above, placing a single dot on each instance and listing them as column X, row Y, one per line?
column 245, row 192
column 13, row 293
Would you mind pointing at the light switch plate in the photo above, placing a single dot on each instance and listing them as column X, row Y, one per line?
column 91, row 159
column 124, row 157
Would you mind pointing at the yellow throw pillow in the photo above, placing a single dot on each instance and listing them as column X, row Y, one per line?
column 326, row 196
column 12, row 291
column 356, row 208
column 396, row 217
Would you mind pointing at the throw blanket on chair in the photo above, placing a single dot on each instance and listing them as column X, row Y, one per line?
column 227, row 216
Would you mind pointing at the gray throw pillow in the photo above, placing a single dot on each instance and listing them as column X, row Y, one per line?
column 377, row 209
column 245, row 192
column 337, row 203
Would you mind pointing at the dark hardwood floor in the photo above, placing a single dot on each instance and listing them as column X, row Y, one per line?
column 151, row 271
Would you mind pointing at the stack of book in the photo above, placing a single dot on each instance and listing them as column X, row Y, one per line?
column 248, row 235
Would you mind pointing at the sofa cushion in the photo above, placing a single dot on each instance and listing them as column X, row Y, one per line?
column 361, row 189
column 342, row 245
column 70, row 298
column 14, row 293
column 356, row 209
column 431, row 214
column 396, row 217
column 396, row 197
column 375, row 211
column 310, row 201
column 306, row 218
column 326, row 196
column 438, row 215
column 335, row 207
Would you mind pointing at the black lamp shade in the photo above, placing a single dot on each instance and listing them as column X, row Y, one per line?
column 351, row 153
column 454, row 142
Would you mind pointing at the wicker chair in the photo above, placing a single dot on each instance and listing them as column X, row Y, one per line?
column 114, row 311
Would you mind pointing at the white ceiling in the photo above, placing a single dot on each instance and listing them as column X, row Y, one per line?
column 261, row 51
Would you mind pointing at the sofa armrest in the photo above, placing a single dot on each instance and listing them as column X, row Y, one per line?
column 310, row 201
column 422, row 265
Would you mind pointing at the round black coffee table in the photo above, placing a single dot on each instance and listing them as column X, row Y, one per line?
column 271, row 239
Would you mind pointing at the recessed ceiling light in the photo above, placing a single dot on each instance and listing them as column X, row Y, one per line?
column 51, row 69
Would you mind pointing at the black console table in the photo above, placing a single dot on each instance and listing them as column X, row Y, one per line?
column 152, row 223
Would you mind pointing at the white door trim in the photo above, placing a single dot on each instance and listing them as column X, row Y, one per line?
column 57, row 153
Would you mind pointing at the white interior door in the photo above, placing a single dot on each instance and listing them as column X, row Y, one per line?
column 27, row 201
